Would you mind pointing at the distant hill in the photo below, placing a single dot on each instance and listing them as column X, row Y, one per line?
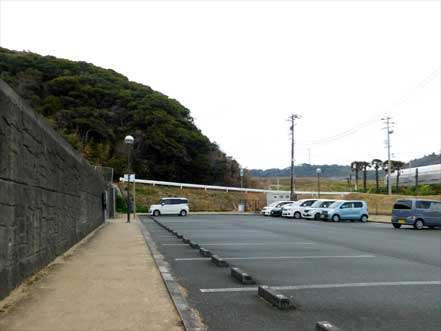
column 425, row 160
column 305, row 170
column 335, row 170
column 95, row 108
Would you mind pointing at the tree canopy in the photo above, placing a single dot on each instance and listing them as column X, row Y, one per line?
column 95, row 108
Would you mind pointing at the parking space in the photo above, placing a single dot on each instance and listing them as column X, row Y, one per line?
column 361, row 276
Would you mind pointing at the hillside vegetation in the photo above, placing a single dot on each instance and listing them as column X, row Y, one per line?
column 95, row 108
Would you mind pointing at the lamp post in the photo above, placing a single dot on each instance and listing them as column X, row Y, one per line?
column 318, row 171
column 128, row 140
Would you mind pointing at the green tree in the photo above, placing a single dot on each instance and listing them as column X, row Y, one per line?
column 95, row 108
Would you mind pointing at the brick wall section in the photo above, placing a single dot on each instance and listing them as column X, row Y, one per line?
column 50, row 197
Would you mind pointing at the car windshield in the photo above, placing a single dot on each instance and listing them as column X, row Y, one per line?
column 281, row 204
column 334, row 204
column 326, row 204
column 318, row 203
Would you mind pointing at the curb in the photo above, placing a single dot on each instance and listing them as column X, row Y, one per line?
column 188, row 317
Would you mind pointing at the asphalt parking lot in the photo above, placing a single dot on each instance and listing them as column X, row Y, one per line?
column 358, row 276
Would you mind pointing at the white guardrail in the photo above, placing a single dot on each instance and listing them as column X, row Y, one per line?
column 220, row 188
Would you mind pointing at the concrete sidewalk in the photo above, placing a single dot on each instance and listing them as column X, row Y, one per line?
column 380, row 218
column 107, row 282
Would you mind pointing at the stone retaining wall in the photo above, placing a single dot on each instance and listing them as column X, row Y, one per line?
column 50, row 197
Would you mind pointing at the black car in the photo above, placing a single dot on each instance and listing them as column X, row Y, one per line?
column 277, row 211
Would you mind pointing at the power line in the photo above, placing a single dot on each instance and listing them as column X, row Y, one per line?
column 374, row 118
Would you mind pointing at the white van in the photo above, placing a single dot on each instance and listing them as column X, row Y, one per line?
column 173, row 206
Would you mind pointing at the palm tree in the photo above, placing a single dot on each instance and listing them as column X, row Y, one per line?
column 363, row 166
column 377, row 164
column 355, row 166
column 394, row 166
column 397, row 166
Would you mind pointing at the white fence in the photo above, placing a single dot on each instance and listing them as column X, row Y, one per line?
column 221, row 188
column 426, row 175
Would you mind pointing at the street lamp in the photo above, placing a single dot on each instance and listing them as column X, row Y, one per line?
column 128, row 140
column 318, row 171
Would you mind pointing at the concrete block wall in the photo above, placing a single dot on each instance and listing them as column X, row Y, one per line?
column 50, row 197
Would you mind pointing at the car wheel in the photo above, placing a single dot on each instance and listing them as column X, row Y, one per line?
column 183, row 213
column 156, row 213
column 317, row 216
column 297, row 215
column 396, row 225
column 419, row 224
column 336, row 218
column 364, row 218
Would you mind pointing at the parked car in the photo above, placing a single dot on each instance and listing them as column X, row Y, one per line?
column 346, row 210
column 315, row 210
column 277, row 211
column 173, row 206
column 266, row 211
column 296, row 210
column 416, row 212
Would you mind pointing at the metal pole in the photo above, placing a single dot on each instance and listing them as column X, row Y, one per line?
column 293, row 173
column 134, row 195
column 416, row 181
column 128, row 184
column 389, row 166
column 318, row 184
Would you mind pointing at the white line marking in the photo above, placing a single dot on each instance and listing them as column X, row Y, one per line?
column 247, row 244
column 320, row 286
column 280, row 257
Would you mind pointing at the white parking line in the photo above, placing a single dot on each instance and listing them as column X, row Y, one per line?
column 280, row 257
column 246, row 244
column 319, row 286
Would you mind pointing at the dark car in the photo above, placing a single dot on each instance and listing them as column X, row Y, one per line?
column 416, row 212
column 276, row 212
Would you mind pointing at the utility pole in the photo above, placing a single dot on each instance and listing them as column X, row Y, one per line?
column 389, row 165
column 293, row 117
column 309, row 156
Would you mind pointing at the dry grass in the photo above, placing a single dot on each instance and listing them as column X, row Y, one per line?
column 199, row 199
column 382, row 204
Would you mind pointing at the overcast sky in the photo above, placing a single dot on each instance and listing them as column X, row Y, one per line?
column 243, row 67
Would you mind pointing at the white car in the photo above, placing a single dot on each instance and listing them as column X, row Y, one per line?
column 170, row 206
column 297, row 209
column 266, row 211
column 286, row 210
column 315, row 210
